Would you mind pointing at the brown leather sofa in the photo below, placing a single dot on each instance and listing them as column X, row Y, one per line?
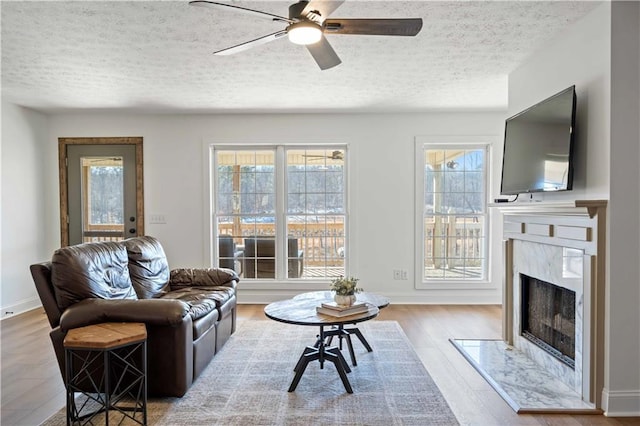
column 189, row 313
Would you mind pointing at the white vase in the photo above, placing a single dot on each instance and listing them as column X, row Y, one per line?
column 345, row 300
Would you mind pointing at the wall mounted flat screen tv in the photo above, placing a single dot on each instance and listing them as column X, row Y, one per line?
column 538, row 146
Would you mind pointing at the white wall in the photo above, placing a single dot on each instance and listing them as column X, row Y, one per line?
column 25, row 216
column 606, row 167
column 580, row 56
column 623, row 382
column 382, row 178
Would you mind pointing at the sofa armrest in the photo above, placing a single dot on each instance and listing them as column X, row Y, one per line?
column 149, row 311
column 205, row 277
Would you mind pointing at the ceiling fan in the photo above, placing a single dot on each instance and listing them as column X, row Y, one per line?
column 307, row 25
column 335, row 155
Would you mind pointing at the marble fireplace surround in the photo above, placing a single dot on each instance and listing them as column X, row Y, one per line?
column 562, row 267
column 562, row 243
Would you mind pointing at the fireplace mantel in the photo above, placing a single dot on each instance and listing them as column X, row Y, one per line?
column 570, row 207
column 577, row 224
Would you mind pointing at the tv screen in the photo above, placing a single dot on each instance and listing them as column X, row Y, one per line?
column 538, row 146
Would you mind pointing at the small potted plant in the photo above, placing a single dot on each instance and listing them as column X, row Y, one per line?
column 346, row 289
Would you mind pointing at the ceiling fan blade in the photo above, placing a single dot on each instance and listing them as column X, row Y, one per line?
column 216, row 5
column 324, row 54
column 324, row 8
column 250, row 44
column 386, row 27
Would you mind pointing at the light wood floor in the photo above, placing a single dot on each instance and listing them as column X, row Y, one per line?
column 32, row 387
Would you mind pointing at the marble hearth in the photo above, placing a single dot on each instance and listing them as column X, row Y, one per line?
column 525, row 385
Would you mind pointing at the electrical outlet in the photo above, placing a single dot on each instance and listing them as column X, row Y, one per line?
column 399, row 274
column 157, row 218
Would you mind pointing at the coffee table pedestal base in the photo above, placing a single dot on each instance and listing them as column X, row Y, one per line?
column 321, row 352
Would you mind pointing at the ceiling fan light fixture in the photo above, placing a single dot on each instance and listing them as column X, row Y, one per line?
column 304, row 33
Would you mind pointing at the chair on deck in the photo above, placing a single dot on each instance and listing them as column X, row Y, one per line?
column 259, row 258
column 228, row 254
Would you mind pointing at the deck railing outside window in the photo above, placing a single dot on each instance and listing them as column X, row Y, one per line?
column 255, row 187
column 454, row 212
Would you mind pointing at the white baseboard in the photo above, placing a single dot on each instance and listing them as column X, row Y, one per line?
column 19, row 307
column 621, row 403
column 450, row 298
column 251, row 296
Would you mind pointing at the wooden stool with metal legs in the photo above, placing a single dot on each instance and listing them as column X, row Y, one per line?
column 106, row 364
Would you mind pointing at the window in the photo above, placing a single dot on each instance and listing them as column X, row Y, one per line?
column 452, row 213
column 104, row 191
column 279, row 212
column 102, row 183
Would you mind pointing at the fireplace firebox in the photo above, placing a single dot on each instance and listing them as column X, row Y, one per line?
column 549, row 318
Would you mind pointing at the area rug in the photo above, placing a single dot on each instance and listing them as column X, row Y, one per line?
column 246, row 384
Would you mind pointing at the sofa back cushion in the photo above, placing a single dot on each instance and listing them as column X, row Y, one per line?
column 91, row 270
column 148, row 266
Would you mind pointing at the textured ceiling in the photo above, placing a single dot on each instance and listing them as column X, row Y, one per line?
column 157, row 56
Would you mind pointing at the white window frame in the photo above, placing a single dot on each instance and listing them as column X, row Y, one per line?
column 423, row 143
column 280, row 282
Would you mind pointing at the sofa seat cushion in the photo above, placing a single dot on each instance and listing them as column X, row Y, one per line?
column 202, row 325
column 221, row 294
column 202, row 300
column 227, row 308
column 91, row 270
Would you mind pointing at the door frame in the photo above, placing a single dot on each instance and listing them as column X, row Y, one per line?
column 62, row 167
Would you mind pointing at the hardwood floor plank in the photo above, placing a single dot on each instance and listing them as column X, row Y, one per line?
column 32, row 386
column 463, row 400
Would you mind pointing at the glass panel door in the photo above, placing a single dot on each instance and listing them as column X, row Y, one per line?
column 102, row 197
